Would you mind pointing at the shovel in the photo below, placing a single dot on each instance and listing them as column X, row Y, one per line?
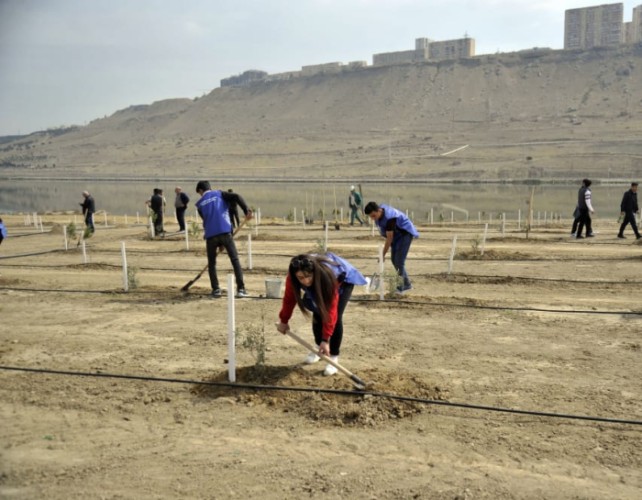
column 359, row 384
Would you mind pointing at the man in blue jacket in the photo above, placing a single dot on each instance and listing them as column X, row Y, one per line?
column 213, row 207
column 399, row 231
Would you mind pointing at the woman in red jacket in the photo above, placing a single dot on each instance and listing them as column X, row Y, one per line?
column 321, row 285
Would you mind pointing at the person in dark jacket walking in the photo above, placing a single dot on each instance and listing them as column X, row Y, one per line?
column 88, row 209
column 586, row 209
column 628, row 209
column 214, row 209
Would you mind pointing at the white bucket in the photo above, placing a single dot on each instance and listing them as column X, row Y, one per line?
column 273, row 288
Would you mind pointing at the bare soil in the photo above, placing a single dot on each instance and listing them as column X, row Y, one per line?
column 543, row 324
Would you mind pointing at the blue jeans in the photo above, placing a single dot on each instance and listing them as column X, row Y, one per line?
column 398, row 253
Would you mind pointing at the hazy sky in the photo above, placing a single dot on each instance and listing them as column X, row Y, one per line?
column 67, row 62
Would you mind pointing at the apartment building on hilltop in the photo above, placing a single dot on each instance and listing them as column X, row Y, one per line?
column 428, row 50
column 633, row 30
column 601, row 26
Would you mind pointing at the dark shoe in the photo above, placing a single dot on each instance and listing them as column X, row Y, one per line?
column 590, row 235
column 217, row 294
column 241, row 293
column 621, row 236
column 579, row 237
column 638, row 236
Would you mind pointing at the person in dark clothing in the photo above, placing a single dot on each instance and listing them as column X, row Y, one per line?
column 180, row 204
column 214, row 209
column 628, row 209
column 586, row 209
column 234, row 212
column 88, row 209
column 157, row 204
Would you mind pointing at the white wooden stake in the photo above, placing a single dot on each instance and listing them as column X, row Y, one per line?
column 452, row 217
column 151, row 228
column 35, row 219
column 249, row 251
column 258, row 220
column 42, row 229
column 137, row 217
column 186, row 239
column 231, row 330
column 64, row 233
column 123, row 253
column 303, row 218
column 294, row 213
column 432, row 215
column 84, row 252
column 452, row 255
column 483, row 245
column 341, row 211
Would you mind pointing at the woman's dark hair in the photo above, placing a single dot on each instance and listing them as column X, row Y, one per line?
column 324, row 281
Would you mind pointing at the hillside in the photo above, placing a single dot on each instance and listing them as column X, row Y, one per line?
column 529, row 115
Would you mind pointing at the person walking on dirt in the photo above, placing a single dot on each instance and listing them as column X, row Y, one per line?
column 234, row 212
column 628, row 209
column 320, row 284
column 157, row 204
column 586, row 209
column 214, row 209
column 3, row 231
column 354, row 201
column 180, row 204
column 399, row 232
column 88, row 209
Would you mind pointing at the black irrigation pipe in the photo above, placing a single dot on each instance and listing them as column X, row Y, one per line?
column 373, row 301
column 426, row 275
column 319, row 390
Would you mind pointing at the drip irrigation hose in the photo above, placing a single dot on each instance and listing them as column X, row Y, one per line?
column 343, row 392
column 426, row 275
column 374, row 301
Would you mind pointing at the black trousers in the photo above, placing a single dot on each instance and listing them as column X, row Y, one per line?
column 180, row 218
column 226, row 241
column 629, row 218
column 585, row 220
column 345, row 292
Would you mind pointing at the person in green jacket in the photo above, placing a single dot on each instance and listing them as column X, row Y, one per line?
column 354, row 201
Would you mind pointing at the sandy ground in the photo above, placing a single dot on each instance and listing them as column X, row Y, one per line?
column 544, row 324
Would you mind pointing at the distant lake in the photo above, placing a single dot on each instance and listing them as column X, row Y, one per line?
column 279, row 199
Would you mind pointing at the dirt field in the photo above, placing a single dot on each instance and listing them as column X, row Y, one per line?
column 544, row 324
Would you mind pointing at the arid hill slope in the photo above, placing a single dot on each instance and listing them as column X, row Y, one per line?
column 529, row 115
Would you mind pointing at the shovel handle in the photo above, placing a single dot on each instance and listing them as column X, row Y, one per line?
column 325, row 358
